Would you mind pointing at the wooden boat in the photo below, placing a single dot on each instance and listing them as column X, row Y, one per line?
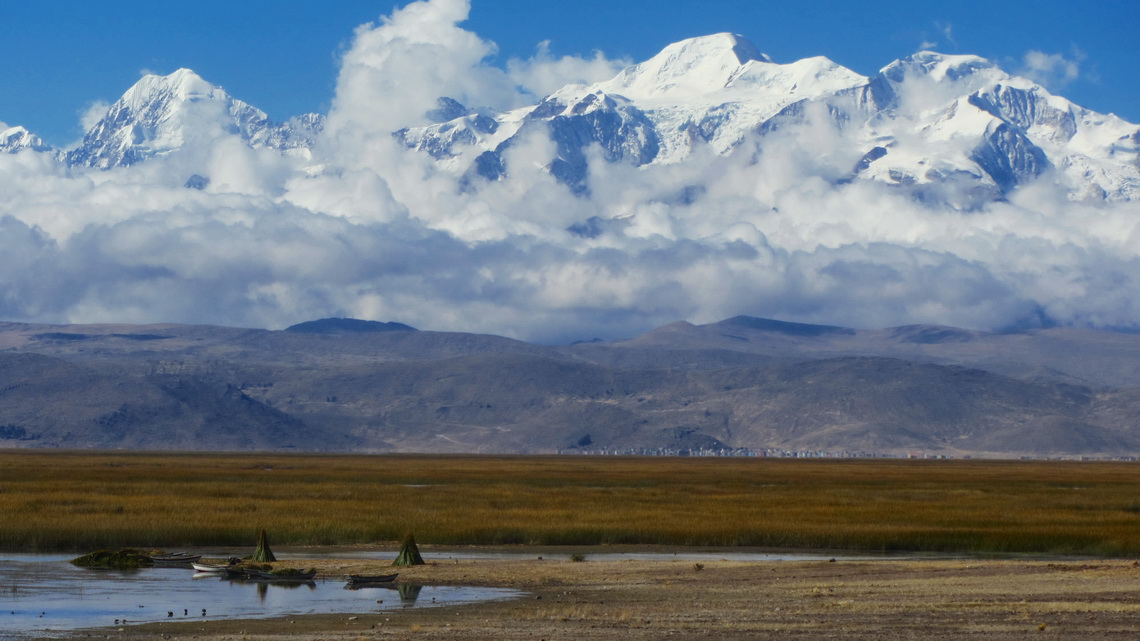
column 357, row 580
column 209, row 568
column 258, row 575
column 177, row 558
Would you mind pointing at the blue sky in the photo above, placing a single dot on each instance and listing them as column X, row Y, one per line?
column 282, row 55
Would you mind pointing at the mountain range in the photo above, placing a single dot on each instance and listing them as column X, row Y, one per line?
column 706, row 181
column 923, row 122
column 951, row 129
column 742, row 384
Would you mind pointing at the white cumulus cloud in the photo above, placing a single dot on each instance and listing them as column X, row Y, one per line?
column 1053, row 70
column 543, row 73
column 93, row 113
column 369, row 229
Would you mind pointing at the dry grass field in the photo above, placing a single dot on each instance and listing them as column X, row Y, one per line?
column 77, row 501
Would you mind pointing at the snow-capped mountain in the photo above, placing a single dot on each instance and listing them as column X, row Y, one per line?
column 704, row 91
column 943, row 116
column 951, row 129
column 15, row 139
column 955, row 129
column 162, row 114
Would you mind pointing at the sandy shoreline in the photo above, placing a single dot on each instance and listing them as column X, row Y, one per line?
column 632, row 600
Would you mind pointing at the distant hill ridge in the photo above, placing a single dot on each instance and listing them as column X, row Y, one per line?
column 745, row 383
column 346, row 325
column 783, row 327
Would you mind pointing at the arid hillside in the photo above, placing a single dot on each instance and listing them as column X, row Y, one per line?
column 743, row 383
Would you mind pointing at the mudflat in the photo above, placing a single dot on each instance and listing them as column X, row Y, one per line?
column 631, row 600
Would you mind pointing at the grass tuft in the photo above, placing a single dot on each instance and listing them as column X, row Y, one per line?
column 125, row 559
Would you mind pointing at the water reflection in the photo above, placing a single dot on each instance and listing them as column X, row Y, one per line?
column 263, row 586
column 42, row 595
column 407, row 592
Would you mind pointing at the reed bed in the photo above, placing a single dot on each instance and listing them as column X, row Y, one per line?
column 77, row 501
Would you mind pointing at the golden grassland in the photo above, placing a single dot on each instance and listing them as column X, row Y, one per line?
column 77, row 501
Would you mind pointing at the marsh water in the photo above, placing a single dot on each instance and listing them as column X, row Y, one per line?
column 44, row 595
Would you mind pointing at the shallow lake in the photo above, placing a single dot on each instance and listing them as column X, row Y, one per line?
column 44, row 595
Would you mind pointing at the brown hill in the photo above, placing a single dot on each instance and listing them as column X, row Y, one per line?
column 742, row 383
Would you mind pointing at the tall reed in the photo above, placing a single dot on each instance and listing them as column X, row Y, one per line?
column 77, row 501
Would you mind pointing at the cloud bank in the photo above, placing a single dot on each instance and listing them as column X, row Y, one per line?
column 367, row 229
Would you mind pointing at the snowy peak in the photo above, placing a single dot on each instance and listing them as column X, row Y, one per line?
column 181, row 86
column 687, row 68
column 943, row 68
column 158, row 115
column 803, row 78
column 929, row 80
column 963, row 116
column 161, row 105
column 743, row 49
column 14, row 139
column 724, row 68
column 163, row 114
column 731, row 48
